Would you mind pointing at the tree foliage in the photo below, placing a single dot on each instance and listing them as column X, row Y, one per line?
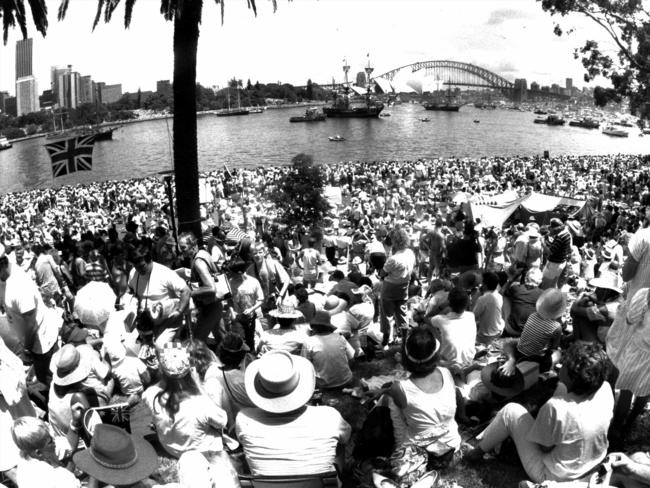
column 627, row 23
column 299, row 197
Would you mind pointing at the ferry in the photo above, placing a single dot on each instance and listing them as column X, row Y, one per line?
column 4, row 143
column 336, row 138
column 611, row 131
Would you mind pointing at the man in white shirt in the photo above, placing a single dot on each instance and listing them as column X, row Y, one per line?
column 284, row 436
column 488, row 310
column 160, row 291
column 31, row 321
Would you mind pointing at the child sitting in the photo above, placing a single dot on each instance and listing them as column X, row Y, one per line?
column 130, row 372
column 541, row 335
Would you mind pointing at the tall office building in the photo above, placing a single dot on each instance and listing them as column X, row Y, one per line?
column 24, row 58
column 66, row 87
column 86, row 90
column 56, row 84
column 569, row 84
column 26, row 86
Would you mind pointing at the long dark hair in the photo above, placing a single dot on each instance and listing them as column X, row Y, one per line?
column 174, row 391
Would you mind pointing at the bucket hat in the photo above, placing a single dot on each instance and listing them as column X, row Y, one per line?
column 280, row 382
column 116, row 457
column 71, row 365
column 526, row 375
column 551, row 304
column 322, row 319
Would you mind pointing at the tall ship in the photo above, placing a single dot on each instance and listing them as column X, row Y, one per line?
column 446, row 103
column 344, row 107
column 226, row 112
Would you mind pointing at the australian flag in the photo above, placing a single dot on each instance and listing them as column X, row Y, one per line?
column 71, row 155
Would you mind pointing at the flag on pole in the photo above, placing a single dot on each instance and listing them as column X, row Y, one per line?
column 71, row 155
column 227, row 174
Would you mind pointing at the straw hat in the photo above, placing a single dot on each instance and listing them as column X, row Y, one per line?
column 115, row 457
column 285, row 311
column 551, row 304
column 526, row 375
column 71, row 365
column 331, row 302
column 322, row 319
column 280, row 382
column 608, row 279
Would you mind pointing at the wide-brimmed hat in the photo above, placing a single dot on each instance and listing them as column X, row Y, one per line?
column 71, row 365
column 323, row 320
column 608, row 279
column 116, row 457
column 526, row 375
column 174, row 360
column 280, row 382
column 285, row 311
column 551, row 304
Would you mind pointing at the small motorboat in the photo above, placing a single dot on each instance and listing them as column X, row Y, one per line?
column 425, row 119
column 4, row 143
column 384, row 114
column 477, row 121
column 611, row 131
column 337, row 138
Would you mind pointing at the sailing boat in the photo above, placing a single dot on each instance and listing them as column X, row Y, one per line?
column 100, row 133
column 447, row 104
column 233, row 111
column 342, row 106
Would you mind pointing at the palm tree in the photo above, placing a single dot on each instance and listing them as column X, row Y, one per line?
column 186, row 15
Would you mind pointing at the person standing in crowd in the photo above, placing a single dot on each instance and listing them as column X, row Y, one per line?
column 464, row 253
column 396, row 275
column 49, row 279
column 271, row 275
column 32, row 323
column 203, row 289
column 246, row 302
column 309, row 259
column 436, row 245
column 159, row 291
column 636, row 270
column 283, row 435
column 558, row 253
column 164, row 248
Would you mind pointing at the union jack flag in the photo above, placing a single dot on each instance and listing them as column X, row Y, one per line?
column 71, row 155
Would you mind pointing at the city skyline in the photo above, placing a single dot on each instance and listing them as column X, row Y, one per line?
column 309, row 39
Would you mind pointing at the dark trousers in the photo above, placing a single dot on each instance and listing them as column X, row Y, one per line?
column 209, row 320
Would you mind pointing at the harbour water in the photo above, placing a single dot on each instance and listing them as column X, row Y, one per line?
column 144, row 148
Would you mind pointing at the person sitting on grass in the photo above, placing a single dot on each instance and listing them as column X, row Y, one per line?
column 568, row 438
column 488, row 310
column 329, row 352
column 540, row 339
column 426, row 402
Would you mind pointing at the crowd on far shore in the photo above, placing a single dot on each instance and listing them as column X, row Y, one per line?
column 536, row 331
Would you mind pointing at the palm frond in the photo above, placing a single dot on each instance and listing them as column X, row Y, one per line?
column 19, row 8
column 109, row 8
column 251, row 5
column 63, row 9
column 39, row 15
column 167, row 9
column 128, row 12
column 8, row 21
column 98, row 14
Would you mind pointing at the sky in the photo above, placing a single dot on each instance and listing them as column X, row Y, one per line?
column 308, row 39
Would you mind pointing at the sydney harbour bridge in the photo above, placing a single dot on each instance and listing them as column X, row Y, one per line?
column 428, row 76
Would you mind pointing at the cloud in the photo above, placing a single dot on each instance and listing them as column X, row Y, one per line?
column 498, row 17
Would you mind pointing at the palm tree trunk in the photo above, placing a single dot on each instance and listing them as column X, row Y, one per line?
column 186, row 166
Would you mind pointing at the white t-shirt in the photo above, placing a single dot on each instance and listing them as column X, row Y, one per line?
column 329, row 353
column 20, row 295
column 127, row 372
column 160, row 285
column 488, row 313
column 577, row 429
column 195, row 427
column 291, row 444
column 33, row 473
column 457, row 337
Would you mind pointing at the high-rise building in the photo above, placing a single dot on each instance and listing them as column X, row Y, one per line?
column 26, row 95
column 67, row 87
column 56, row 84
column 26, row 86
column 24, row 58
column 569, row 84
column 555, row 88
column 534, row 86
column 164, row 87
column 521, row 89
column 86, row 90
column 3, row 97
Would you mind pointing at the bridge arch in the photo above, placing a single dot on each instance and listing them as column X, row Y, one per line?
column 453, row 73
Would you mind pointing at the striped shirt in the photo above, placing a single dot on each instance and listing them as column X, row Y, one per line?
column 539, row 335
column 560, row 248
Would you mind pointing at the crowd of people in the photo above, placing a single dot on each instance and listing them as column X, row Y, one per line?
column 537, row 330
